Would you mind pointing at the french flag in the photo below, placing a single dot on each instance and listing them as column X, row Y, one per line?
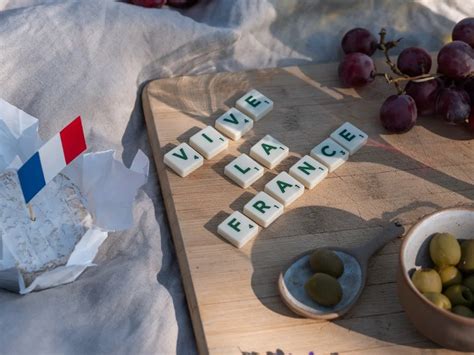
column 52, row 158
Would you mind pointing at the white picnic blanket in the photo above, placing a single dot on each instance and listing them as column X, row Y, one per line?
column 59, row 59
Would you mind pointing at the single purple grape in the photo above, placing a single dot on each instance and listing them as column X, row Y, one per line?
column 414, row 61
column 398, row 113
column 456, row 60
column 464, row 31
column 182, row 4
column 359, row 40
column 159, row 3
column 425, row 94
column 356, row 69
column 148, row 3
column 453, row 104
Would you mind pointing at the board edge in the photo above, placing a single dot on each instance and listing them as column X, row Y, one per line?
column 165, row 188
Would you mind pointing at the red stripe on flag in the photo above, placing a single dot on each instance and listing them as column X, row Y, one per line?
column 73, row 140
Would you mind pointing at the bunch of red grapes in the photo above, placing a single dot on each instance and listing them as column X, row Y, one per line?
column 448, row 93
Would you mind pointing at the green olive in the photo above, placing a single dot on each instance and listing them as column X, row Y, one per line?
column 444, row 249
column 324, row 289
column 427, row 280
column 469, row 283
column 467, row 256
column 439, row 300
column 450, row 275
column 463, row 311
column 459, row 295
column 327, row 262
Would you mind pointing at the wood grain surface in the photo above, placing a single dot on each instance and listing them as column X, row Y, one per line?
column 232, row 293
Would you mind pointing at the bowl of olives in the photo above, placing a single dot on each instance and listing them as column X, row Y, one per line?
column 436, row 277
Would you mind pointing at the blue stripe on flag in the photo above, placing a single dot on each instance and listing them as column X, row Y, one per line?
column 31, row 177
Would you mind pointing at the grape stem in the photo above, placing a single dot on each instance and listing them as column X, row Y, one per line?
column 418, row 78
column 385, row 47
column 390, row 80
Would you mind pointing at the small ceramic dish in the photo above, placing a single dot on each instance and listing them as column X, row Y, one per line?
column 294, row 276
column 443, row 327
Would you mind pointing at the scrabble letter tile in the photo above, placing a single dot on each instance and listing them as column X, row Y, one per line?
column 309, row 172
column 263, row 209
column 209, row 142
column 330, row 154
column 244, row 171
column 238, row 229
column 234, row 124
column 350, row 137
column 254, row 104
column 183, row 159
column 269, row 152
column 284, row 188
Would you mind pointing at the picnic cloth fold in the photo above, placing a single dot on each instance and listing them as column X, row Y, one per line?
column 61, row 59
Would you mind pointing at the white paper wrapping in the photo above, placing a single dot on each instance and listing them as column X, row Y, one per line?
column 75, row 211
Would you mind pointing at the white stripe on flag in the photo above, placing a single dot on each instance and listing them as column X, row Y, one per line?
column 52, row 158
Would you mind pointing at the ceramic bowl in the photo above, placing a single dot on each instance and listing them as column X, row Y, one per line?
column 443, row 327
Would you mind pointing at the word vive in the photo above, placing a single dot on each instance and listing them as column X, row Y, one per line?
column 209, row 141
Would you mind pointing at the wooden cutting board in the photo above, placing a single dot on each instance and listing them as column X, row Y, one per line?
column 232, row 293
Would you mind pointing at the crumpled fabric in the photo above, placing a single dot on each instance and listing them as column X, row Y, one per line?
column 61, row 59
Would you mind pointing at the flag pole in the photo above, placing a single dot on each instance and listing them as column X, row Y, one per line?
column 32, row 215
